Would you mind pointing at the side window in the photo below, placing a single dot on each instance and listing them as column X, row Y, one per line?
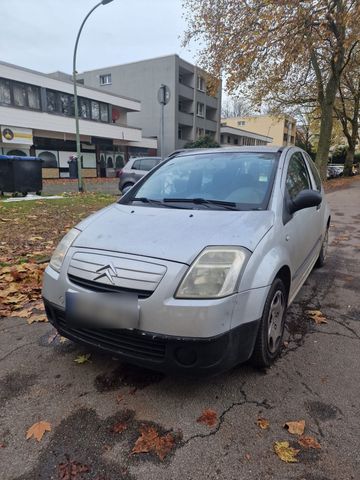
column 314, row 172
column 136, row 165
column 148, row 163
column 297, row 178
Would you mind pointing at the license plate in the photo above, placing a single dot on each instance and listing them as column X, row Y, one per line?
column 102, row 310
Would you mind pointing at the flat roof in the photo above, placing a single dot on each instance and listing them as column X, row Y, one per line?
column 242, row 132
column 80, row 85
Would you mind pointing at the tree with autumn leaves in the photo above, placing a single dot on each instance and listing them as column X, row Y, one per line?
column 279, row 53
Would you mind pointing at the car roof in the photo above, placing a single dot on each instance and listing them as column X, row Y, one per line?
column 254, row 149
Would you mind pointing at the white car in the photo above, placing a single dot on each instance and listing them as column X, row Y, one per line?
column 193, row 269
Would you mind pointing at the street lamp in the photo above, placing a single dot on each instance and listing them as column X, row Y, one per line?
column 78, row 149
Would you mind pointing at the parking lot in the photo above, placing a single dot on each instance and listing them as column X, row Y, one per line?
column 110, row 421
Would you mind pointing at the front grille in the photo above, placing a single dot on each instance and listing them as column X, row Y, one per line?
column 102, row 287
column 126, row 342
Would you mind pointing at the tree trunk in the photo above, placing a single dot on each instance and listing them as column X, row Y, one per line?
column 326, row 124
column 349, row 160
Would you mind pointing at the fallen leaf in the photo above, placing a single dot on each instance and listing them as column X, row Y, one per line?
column 36, row 318
column 119, row 427
column 296, row 428
column 82, row 358
column 37, row 430
column 119, row 398
column 71, row 470
column 151, row 442
column 317, row 316
column 308, row 442
column 285, row 452
column 208, row 417
column 263, row 423
column 248, row 456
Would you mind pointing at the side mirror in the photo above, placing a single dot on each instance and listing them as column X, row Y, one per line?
column 305, row 199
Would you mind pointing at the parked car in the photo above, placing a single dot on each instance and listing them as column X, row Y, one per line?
column 193, row 269
column 332, row 172
column 135, row 169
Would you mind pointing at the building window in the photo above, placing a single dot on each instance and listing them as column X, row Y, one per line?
column 180, row 133
column 200, row 109
column 49, row 159
column 228, row 139
column 236, row 141
column 84, row 108
column 241, row 123
column 105, row 79
column 5, row 91
column 51, row 101
column 199, row 132
column 201, row 84
column 65, row 104
column 19, row 91
column 221, row 138
column 104, row 112
column 285, row 137
column 95, row 110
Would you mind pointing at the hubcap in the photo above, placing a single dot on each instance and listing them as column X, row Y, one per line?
column 275, row 321
column 325, row 244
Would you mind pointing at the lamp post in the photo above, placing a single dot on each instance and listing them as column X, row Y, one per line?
column 78, row 148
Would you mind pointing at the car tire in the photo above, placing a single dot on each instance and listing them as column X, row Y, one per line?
column 320, row 262
column 127, row 185
column 269, row 339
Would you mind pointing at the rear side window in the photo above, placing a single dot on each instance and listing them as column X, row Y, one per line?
column 297, row 178
column 314, row 172
column 136, row 165
column 148, row 163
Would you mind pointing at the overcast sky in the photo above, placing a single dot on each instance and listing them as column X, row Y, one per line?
column 40, row 34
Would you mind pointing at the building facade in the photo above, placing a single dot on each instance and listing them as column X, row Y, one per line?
column 281, row 128
column 193, row 110
column 37, row 118
column 239, row 137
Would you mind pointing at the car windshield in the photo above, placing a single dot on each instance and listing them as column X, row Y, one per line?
column 222, row 180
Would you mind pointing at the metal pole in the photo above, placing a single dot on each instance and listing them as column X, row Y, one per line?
column 76, row 107
column 162, row 131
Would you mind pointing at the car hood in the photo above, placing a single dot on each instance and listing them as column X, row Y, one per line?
column 171, row 234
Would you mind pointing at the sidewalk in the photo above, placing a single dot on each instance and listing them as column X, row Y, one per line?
column 103, row 185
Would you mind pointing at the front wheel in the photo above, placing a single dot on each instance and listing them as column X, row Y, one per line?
column 323, row 252
column 271, row 330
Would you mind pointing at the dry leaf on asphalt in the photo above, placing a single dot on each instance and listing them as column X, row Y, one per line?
column 36, row 318
column 71, row 470
column 296, row 428
column 263, row 423
column 285, row 452
column 208, row 417
column 151, row 442
column 317, row 316
column 119, row 427
column 37, row 430
column 308, row 442
column 83, row 358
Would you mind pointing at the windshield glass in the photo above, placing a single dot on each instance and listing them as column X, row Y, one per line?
column 210, row 180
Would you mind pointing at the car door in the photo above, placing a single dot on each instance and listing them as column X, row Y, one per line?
column 136, row 170
column 302, row 229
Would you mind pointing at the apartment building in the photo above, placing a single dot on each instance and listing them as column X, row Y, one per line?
column 282, row 128
column 193, row 111
column 37, row 118
column 231, row 136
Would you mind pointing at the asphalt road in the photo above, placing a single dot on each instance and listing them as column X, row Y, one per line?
column 316, row 380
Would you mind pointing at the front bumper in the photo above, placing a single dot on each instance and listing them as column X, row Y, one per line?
column 166, row 353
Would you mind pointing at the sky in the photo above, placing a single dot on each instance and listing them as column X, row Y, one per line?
column 40, row 34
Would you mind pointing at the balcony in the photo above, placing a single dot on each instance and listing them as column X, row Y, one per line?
column 186, row 118
column 186, row 91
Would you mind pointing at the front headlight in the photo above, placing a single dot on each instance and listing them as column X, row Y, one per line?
column 60, row 251
column 214, row 273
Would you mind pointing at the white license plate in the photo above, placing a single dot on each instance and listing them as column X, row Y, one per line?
column 102, row 310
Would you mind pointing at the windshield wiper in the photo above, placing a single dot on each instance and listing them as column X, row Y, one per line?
column 152, row 201
column 204, row 201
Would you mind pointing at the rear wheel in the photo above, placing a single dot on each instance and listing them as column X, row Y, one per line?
column 324, row 248
column 270, row 335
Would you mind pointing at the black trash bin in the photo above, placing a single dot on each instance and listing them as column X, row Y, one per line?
column 73, row 169
column 20, row 174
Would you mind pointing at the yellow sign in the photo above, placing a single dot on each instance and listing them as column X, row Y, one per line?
column 22, row 136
